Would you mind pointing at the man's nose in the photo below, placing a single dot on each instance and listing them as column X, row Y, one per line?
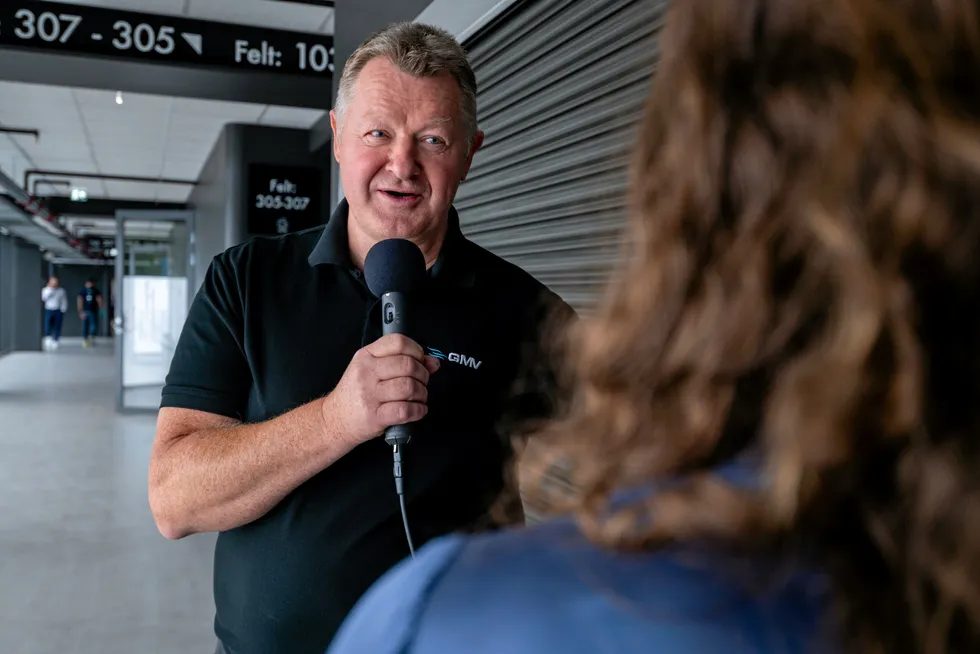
column 403, row 160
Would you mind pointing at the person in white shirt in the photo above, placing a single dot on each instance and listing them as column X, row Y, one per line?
column 55, row 306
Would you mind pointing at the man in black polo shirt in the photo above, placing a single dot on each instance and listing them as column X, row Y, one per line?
column 281, row 383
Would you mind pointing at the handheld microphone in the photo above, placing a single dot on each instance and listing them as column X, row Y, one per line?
column 394, row 270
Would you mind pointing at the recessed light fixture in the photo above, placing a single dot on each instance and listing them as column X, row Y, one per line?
column 119, row 99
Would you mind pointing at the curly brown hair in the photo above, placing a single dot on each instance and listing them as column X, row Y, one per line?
column 802, row 283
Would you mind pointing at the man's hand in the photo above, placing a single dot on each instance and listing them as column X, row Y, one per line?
column 384, row 385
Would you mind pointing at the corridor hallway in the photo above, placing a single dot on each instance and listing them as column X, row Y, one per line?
column 83, row 569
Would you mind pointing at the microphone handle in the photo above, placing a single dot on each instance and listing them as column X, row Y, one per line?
column 394, row 320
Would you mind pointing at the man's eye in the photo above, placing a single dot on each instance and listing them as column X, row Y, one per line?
column 434, row 140
column 376, row 133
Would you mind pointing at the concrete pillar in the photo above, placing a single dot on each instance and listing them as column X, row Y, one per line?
column 27, row 283
column 7, row 284
column 221, row 199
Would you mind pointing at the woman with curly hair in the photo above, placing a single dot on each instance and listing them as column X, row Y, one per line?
column 775, row 424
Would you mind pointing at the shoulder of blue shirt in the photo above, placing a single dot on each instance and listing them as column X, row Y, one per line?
column 505, row 579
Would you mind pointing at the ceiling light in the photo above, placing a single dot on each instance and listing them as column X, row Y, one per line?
column 78, row 195
column 113, row 252
column 119, row 99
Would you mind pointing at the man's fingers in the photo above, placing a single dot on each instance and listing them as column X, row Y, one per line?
column 432, row 364
column 403, row 389
column 394, row 367
column 401, row 413
column 394, row 344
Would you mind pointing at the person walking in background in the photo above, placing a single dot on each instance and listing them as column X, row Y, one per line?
column 55, row 301
column 89, row 306
column 773, row 438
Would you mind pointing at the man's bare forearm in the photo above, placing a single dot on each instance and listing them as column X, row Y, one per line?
column 216, row 479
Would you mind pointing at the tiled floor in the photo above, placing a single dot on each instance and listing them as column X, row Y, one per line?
column 82, row 567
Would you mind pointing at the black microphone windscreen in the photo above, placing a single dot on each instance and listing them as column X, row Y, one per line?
column 394, row 265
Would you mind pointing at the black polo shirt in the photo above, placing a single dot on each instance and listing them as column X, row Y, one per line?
column 273, row 327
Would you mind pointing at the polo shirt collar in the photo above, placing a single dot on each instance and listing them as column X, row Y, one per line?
column 452, row 269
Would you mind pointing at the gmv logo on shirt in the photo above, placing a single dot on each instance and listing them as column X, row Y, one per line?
column 453, row 357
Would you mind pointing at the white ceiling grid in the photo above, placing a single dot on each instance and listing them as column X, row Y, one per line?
column 84, row 130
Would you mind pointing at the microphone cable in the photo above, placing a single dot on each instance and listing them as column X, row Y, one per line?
column 400, row 489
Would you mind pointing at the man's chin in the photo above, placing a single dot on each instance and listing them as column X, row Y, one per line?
column 402, row 225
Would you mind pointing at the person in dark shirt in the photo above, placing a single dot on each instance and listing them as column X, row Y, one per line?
column 89, row 305
column 281, row 383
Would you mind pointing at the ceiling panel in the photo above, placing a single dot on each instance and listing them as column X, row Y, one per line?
column 180, row 169
column 188, row 165
column 126, row 135
column 81, row 165
column 171, row 193
column 281, row 15
column 59, row 147
column 260, row 13
column 194, row 108
column 84, row 130
column 131, row 167
column 169, row 7
column 12, row 161
column 131, row 190
column 41, row 97
column 291, row 117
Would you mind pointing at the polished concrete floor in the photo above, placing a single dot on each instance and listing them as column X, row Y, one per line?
column 82, row 568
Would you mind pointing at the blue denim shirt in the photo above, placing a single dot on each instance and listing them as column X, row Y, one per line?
column 547, row 589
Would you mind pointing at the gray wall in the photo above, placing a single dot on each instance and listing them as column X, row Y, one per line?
column 7, row 307
column 211, row 202
column 220, row 198
column 27, row 284
column 353, row 23
column 179, row 249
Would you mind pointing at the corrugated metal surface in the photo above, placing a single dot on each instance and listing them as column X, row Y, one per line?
column 562, row 85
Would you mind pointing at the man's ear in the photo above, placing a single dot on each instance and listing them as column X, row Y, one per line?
column 336, row 135
column 476, row 145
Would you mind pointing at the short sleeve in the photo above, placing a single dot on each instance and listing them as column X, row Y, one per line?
column 386, row 619
column 210, row 370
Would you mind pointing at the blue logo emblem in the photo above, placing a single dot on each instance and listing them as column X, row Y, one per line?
column 453, row 357
column 437, row 354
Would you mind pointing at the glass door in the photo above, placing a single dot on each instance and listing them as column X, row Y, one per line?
column 151, row 295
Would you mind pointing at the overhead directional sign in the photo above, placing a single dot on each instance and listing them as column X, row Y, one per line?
column 58, row 27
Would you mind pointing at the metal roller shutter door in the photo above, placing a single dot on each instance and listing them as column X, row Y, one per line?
column 562, row 84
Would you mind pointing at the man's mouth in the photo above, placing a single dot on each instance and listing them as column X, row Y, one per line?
column 400, row 194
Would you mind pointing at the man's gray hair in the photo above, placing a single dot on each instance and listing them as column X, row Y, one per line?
column 418, row 50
